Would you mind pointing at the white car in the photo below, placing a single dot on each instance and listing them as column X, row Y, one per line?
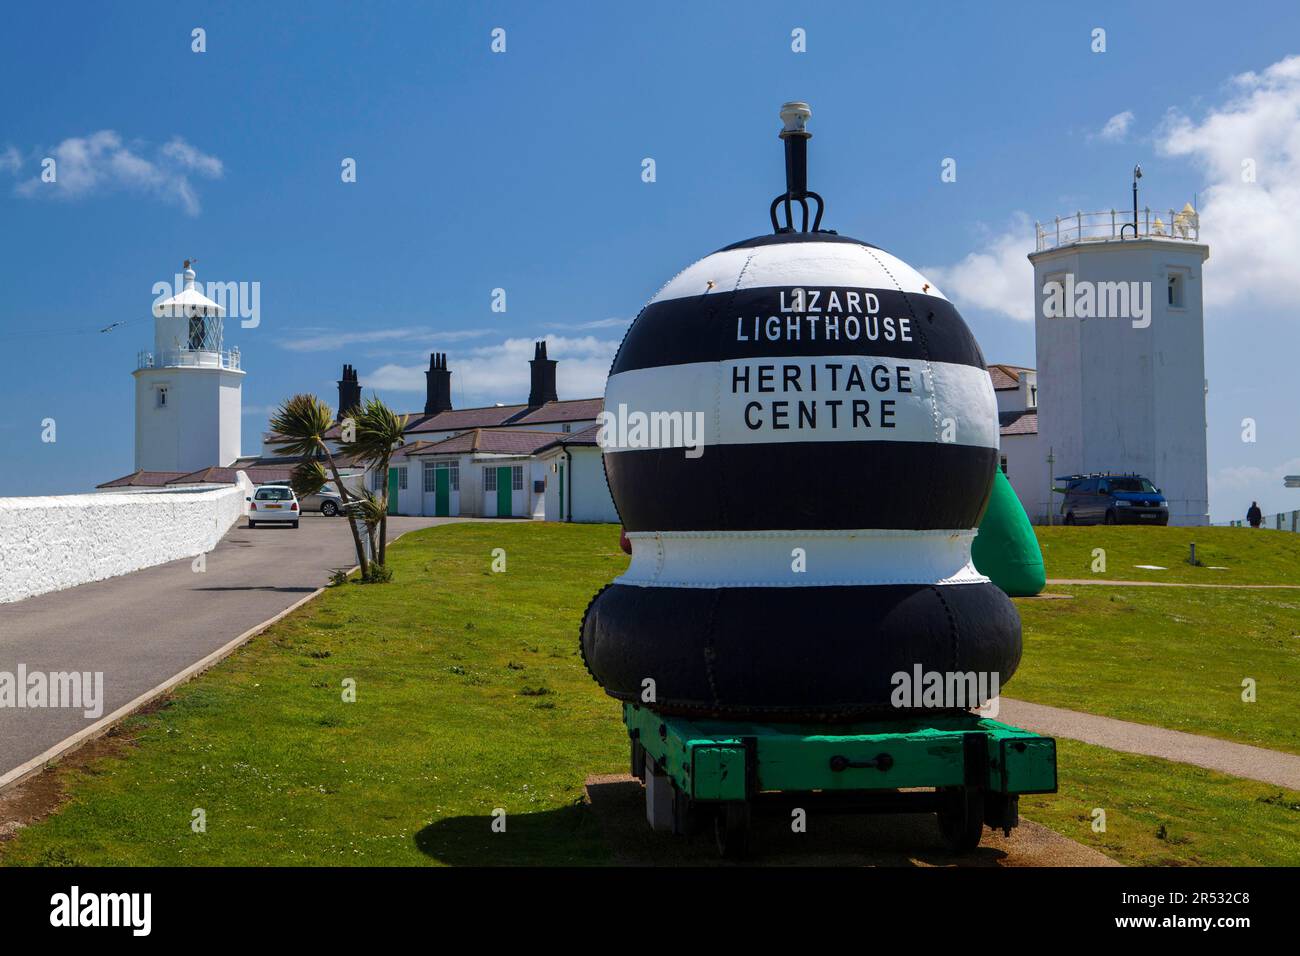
column 273, row 503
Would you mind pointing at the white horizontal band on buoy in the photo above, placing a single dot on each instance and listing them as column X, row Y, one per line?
column 947, row 402
column 797, row 265
column 736, row 559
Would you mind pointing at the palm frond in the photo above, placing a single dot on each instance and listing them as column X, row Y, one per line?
column 308, row 477
column 299, row 425
column 369, row 509
column 379, row 430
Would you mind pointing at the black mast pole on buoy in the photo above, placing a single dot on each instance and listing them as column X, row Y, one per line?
column 794, row 116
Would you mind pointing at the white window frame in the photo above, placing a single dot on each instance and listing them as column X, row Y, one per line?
column 517, row 478
column 489, row 478
column 430, row 474
column 401, row 478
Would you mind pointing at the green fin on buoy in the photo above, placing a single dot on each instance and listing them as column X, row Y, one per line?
column 1006, row 550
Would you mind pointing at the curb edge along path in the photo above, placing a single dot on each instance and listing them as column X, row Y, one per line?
column 35, row 765
column 1248, row 762
column 104, row 724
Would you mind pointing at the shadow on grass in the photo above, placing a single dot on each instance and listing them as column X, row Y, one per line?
column 568, row 836
column 611, row 830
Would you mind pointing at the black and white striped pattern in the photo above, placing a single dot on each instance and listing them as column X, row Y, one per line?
column 847, row 416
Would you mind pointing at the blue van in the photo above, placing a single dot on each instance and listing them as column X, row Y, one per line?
column 1112, row 499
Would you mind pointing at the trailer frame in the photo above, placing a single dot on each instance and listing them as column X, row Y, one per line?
column 969, row 770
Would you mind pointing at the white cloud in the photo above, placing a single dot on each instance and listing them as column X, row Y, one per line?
column 998, row 278
column 1253, row 229
column 597, row 324
column 321, row 339
column 1116, row 127
column 10, row 160
column 1238, row 486
column 500, row 373
column 101, row 162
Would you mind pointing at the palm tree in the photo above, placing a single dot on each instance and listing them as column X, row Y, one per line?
column 378, row 433
column 299, row 426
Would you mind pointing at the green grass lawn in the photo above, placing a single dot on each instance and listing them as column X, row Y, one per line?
column 1159, row 813
column 1250, row 556
column 1175, row 657
column 471, row 696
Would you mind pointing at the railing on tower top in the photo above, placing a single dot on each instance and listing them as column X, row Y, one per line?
column 191, row 358
column 1112, row 225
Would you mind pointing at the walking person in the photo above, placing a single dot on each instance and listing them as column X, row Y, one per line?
column 1254, row 515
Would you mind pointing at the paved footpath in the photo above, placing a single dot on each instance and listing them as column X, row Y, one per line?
column 143, row 628
column 1238, row 760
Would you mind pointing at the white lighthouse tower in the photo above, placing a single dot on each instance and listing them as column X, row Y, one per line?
column 188, row 389
column 1121, row 354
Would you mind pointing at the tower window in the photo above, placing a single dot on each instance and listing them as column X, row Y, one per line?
column 1175, row 294
column 161, row 393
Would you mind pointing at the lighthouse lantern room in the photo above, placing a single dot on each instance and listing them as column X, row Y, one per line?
column 188, row 389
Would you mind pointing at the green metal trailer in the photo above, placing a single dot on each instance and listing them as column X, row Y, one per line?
column 968, row 770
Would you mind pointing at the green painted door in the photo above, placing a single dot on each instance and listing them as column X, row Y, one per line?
column 441, row 492
column 503, row 492
column 392, row 491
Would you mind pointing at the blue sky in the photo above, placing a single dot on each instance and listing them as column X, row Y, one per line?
column 522, row 171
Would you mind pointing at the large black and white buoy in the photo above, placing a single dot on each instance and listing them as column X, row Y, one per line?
column 800, row 438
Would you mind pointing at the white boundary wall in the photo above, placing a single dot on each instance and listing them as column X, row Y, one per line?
column 51, row 543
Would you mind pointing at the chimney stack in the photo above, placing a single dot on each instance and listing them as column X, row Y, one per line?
column 437, row 385
column 542, row 389
column 349, row 392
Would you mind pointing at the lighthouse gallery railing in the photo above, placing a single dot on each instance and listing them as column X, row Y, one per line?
column 189, row 358
column 1109, row 225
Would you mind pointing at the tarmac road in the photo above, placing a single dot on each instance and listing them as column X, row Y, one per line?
column 141, row 629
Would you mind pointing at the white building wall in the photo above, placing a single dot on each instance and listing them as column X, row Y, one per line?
column 410, row 500
column 1023, row 397
column 51, row 543
column 1028, row 473
column 591, row 500
column 200, row 426
column 535, row 472
column 1117, row 398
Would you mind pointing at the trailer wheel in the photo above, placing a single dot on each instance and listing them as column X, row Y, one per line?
column 961, row 819
column 731, row 829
